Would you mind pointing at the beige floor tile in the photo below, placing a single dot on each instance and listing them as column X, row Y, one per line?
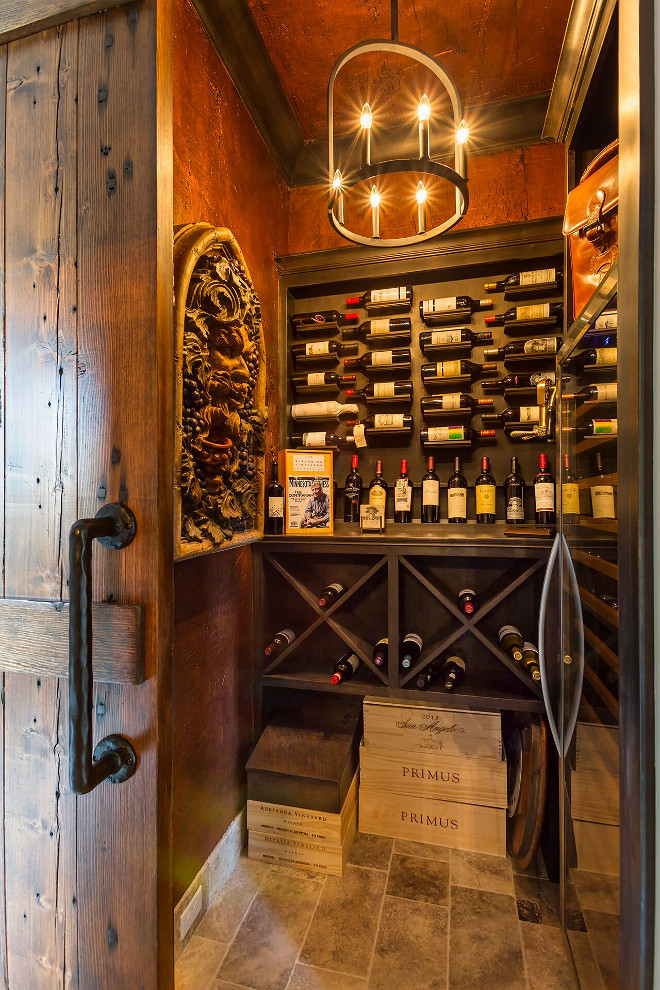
column 603, row 932
column 409, row 848
column 198, row 964
column 596, row 891
column 585, row 961
column 469, row 869
column 371, row 851
column 419, row 879
column 226, row 913
column 545, row 957
column 411, row 948
column 313, row 978
column 485, row 949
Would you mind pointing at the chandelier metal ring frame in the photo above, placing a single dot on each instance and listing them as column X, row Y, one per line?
column 457, row 175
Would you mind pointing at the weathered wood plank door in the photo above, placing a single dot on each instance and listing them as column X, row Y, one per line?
column 85, row 231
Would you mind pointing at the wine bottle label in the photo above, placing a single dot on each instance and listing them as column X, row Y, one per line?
column 384, row 641
column 352, row 493
column 402, row 495
column 413, row 638
column 275, row 507
column 315, row 410
column 485, row 499
column 541, row 311
column 379, row 358
column 602, row 502
column 606, row 393
column 530, row 414
column 538, row 277
column 605, row 356
column 544, row 496
column 466, row 591
column 606, row 321
column 444, row 305
column 507, row 631
column 388, row 295
column 451, row 401
column 515, row 510
column 314, row 439
column 439, row 433
column 320, row 347
column 441, row 338
column 287, row 634
column 384, row 421
column 318, row 378
column 377, row 497
column 335, row 587
column 358, row 436
column 457, row 661
column 379, row 327
column 605, row 427
column 457, row 503
column 430, row 492
column 542, row 376
column 570, row 499
column 541, row 345
column 384, row 390
column 448, row 369
column 353, row 661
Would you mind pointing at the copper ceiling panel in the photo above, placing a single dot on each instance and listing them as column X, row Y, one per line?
column 494, row 50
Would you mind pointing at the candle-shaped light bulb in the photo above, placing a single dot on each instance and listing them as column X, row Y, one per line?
column 463, row 132
column 365, row 134
column 339, row 195
column 420, row 196
column 374, row 199
column 337, row 180
column 424, row 115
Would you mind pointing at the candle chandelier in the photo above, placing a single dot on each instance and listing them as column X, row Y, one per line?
column 344, row 174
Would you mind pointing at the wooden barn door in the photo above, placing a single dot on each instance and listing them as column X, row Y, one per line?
column 84, row 880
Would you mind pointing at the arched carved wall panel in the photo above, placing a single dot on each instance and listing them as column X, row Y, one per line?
column 220, row 400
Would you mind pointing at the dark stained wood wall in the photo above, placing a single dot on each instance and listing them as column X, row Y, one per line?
column 222, row 174
column 87, row 379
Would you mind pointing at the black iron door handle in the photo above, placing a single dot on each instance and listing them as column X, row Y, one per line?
column 114, row 758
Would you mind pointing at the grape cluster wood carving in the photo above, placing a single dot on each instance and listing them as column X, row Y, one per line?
column 220, row 393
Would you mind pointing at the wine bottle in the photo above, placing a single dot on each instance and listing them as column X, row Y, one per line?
column 467, row 601
column 535, row 347
column 319, row 382
column 595, row 393
column 457, row 495
column 596, row 358
column 570, row 494
column 437, row 341
column 377, row 332
column 380, row 653
column 330, row 594
column 274, row 499
column 430, row 494
column 530, row 661
column 321, row 440
column 280, row 640
column 520, row 318
column 385, row 422
column 451, row 404
column 602, row 494
column 344, row 668
column 514, row 383
column 438, row 312
column 443, row 371
column 403, row 490
column 430, row 673
column 322, row 410
column 513, row 416
column 453, row 436
column 542, row 281
column 600, row 428
column 485, row 494
column 321, row 351
column 381, row 362
column 352, row 493
column 514, row 495
column 544, row 493
column 454, row 671
column 384, row 299
column 411, row 650
column 378, row 489
column 392, row 393
column 511, row 640
column 328, row 320
column 606, row 321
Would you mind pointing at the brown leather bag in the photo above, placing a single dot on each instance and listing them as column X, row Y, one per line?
column 591, row 224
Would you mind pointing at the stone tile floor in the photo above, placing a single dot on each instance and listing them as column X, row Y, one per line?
column 405, row 916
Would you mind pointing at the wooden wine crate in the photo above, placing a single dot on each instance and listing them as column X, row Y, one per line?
column 417, row 727
column 328, row 859
column 597, row 847
column 303, row 824
column 450, row 778
column 472, row 827
column 597, row 748
column 595, row 797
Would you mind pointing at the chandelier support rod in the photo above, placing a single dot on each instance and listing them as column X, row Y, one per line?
column 394, row 19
